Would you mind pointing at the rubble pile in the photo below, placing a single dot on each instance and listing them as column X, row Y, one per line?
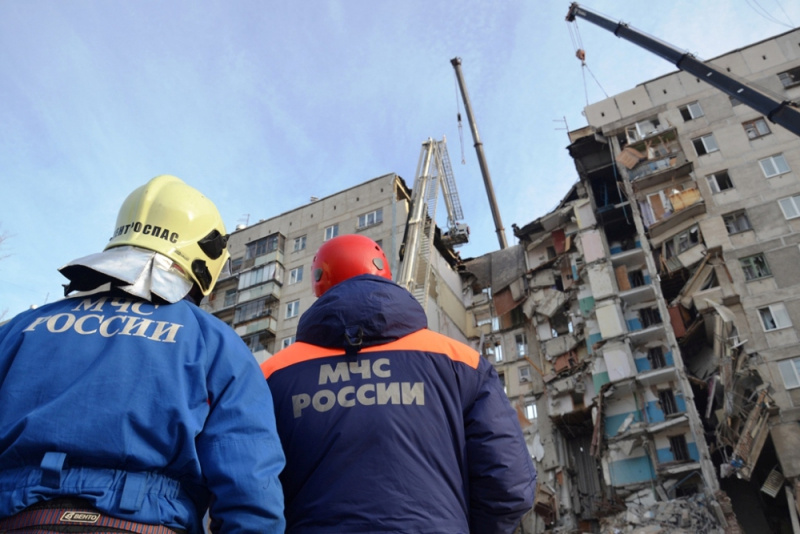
column 676, row 516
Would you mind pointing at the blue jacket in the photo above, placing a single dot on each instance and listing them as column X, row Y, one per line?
column 390, row 427
column 150, row 412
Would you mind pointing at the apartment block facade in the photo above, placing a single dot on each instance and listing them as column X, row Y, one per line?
column 269, row 287
column 660, row 302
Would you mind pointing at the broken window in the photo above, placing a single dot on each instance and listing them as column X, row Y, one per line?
column 710, row 282
column 705, row 144
column 688, row 239
column 655, row 356
column 755, row 267
column 736, row 222
column 524, row 374
column 680, row 451
column 790, row 78
column 636, row 278
column 642, row 129
column 790, row 206
column 494, row 353
column 790, row 371
column 719, row 181
column 522, row 345
column 667, row 399
column 756, row 128
column 774, row 165
column 649, row 317
column 691, row 111
column 561, row 325
column 774, row 317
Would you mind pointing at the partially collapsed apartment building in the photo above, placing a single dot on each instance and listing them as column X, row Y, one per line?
column 647, row 328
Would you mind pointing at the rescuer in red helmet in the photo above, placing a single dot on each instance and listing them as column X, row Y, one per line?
column 386, row 425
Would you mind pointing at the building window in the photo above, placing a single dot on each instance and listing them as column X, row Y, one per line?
column 299, row 243
column 296, row 275
column 262, row 246
column 682, row 242
column 755, row 267
column 331, row 231
column 292, row 309
column 774, row 317
column 502, row 377
column 774, row 165
column 705, row 144
column 790, row 207
column 719, row 181
column 649, row 317
column 790, row 78
column 530, row 411
column 756, row 128
column 253, row 309
column 524, row 374
column 285, row 342
column 236, row 264
column 270, row 271
column 736, row 222
column 370, row 219
column 256, row 343
column 498, row 353
column 680, row 451
column 667, row 400
column 522, row 345
column 691, row 111
column 790, row 371
column 230, row 298
column 656, row 358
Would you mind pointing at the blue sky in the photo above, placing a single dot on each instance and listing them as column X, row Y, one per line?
column 263, row 104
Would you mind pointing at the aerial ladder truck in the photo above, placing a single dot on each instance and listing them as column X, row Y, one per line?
column 434, row 172
column 782, row 112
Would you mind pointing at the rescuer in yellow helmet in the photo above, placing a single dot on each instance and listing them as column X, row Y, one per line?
column 125, row 406
column 168, row 238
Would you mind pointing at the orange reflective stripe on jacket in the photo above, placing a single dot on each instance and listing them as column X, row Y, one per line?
column 420, row 341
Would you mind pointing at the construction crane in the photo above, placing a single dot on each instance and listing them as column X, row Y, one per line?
column 434, row 172
column 487, row 179
column 782, row 112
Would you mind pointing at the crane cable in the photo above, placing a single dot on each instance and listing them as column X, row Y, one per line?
column 580, row 53
column 460, row 127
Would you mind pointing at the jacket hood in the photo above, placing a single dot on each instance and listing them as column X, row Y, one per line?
column 362, row 311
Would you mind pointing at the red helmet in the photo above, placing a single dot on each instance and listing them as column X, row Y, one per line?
column 344, row 257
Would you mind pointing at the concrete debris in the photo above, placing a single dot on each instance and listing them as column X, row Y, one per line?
column 677, row 516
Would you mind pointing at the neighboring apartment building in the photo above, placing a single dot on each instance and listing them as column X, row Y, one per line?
column 269, row 286
column 660, row 303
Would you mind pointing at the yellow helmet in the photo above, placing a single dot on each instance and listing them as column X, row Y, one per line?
column 169, row 217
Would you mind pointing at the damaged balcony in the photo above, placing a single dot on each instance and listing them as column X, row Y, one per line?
column 687, row 205
column 652, row 158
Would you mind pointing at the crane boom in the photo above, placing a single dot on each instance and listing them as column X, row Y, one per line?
column 784, row 113
column 433, row 172
column 487, row 179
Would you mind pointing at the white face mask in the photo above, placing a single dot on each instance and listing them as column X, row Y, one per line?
column 146, row 273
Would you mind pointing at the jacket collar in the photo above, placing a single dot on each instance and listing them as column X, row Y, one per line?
column 362, row 311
